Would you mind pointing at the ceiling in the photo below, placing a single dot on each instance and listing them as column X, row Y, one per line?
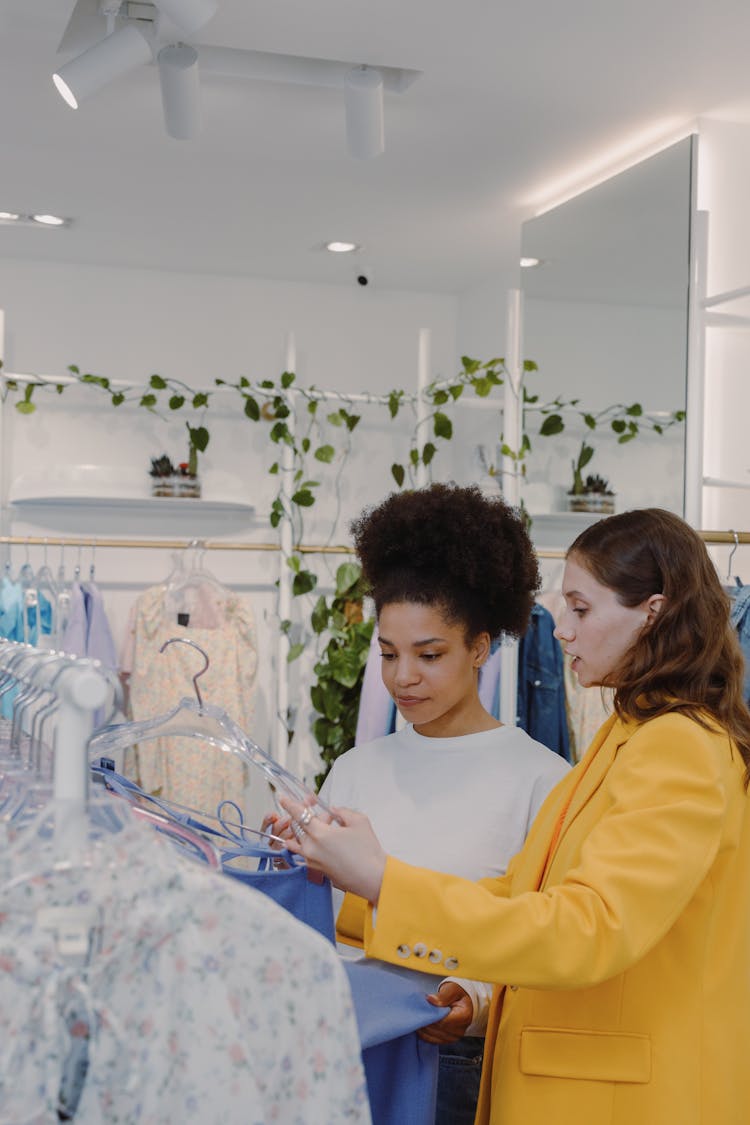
column 513, row 105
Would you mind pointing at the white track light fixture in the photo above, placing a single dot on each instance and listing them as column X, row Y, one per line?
column 114, row 56
column 180, row 90
column 363, row 101
column 188, row 15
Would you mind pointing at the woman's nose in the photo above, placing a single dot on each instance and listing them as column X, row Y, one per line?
column 406, row 672
column 564, row 630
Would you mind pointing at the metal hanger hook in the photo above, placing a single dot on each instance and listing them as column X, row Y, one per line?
column 731, row 553
column 204, row 654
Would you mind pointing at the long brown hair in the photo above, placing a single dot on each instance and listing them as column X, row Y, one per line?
column 689, row 658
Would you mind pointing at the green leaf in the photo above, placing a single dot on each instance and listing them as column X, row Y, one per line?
column 346, row 667
column 294, row 652
column 398, row 473
column 351, row 420
column 456, row 391
column 470, row 366
column 294, row 562
column 251, row 409
column 199, row 437
column 306, row 445
column 157, row 383
column 635, row 410
column 590, row 421
column 658, row 429
column 280, row 432
column 25, row 407
column 394, row 402
column 552, row 424
column 274, row 468
column 625, row 437
column 482, row 386
column 303, row 497
column 267, row 385
column 201, row 399
column 176, row 401
column 304, row 582
column 618, row 425
column 287, row 379
column 275, row 518
column 440, row 397
column 335, row 418
column 528, row 365
column 148, row 401
column 325, row 453
column 347, row 576
column 118, row 398
column 443, row 426
column 414, row 456
column 74, row 369
column 319, row 616
column 312, row 406
column 428, row 452
column 59, row 387
column 587, row 452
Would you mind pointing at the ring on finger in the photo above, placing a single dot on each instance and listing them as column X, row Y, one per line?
column 307, row 815
column 298, row 830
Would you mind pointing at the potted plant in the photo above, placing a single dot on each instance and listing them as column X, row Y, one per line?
column 591, row 493
column 163, row 475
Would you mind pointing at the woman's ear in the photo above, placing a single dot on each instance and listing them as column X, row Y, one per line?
column 654, row 606
column 480, row 649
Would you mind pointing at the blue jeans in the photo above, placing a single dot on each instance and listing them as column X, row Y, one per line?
column 458, row 1081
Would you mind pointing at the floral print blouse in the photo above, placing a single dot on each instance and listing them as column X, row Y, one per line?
column 172, row 994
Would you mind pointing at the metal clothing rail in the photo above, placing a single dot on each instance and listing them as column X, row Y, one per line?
column 167, row 544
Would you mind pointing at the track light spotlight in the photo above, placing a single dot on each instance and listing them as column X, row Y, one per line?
column 114, row 56
column 363, row 102
column 180, row 94
column 189, row 15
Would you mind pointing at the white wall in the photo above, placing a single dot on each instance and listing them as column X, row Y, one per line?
column 723, row 191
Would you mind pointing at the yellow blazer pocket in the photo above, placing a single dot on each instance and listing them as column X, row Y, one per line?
column 598, row 1056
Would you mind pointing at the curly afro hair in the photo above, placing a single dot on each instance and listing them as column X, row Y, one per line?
column 454, row 548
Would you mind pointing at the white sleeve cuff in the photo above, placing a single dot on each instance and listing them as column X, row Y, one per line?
column 480, row 994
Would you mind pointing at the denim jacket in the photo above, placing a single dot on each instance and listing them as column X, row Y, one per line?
column 541, row 686
column 740, row 619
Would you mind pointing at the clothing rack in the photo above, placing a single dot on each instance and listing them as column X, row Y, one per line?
column 166, row 544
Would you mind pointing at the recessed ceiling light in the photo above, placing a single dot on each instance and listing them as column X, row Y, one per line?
column 8, row 216
column 49, row 220
column 341, row 247
column 529, row 263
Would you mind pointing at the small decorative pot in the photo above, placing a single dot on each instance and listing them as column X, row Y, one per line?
column 176, row 485
column 600, row 502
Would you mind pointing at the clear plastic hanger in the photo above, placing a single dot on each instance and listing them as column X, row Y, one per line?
column 192, row 718
column 732, row 582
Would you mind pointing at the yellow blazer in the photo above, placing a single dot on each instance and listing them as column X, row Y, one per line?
column 624, row 986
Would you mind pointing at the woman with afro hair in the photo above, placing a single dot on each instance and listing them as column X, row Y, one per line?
column 450, row 571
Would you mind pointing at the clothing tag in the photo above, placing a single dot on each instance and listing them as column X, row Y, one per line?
column 183, row 618
column 74, row 928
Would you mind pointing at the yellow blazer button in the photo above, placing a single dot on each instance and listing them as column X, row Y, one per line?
column 420, row 949
column 435, row 956
column 513, row 987
column 404, row 951
column 451, row 963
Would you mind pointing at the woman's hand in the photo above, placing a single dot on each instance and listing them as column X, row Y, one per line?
column 346, row 850
column 452, row 1026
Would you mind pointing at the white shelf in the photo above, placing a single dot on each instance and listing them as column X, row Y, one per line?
column 165, row 504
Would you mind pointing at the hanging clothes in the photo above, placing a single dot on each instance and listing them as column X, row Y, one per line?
column 141, row 986
column 740, row 620
column 182, row 769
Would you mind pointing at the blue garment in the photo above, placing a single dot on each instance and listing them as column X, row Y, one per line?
column 541, row 685
column 401, row 1070
column 740, row 620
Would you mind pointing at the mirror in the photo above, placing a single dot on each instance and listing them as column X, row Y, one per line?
column 605, row 318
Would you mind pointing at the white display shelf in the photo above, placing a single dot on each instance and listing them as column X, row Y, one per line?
column 165, row 504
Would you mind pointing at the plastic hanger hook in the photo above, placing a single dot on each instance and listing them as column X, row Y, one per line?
column 204, row 669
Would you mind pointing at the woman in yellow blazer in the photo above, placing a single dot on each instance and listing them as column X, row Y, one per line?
column 620, row 936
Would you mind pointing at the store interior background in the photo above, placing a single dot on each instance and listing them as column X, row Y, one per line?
column 201, row 259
